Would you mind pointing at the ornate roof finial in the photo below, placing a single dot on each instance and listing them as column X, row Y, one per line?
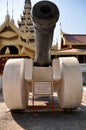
column 7, row 6
column 12, row 8
column 12, row 11
column 7, row 18
column 28, row 1
column 60, row 25
column 61, row 32
column 61, row 29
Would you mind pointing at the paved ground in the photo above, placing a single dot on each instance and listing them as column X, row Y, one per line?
column 74, row 120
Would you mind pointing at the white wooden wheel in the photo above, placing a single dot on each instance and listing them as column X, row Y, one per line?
column 14, row 91
column 70, row 92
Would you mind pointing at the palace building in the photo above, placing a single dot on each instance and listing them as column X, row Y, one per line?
column 18, row 40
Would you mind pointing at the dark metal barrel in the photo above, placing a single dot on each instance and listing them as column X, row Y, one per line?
column 44, row 14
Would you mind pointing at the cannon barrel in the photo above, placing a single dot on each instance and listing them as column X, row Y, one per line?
column 44, row 14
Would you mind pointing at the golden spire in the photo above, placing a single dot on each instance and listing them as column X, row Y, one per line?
column 26, row 22
column 7, row 52
column 23, row 51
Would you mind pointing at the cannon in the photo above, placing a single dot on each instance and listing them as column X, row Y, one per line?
column 44, row 15
column 64, row 72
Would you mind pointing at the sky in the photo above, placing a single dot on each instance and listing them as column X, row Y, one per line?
column 72, row 14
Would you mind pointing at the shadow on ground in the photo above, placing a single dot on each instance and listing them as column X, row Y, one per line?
column 63, row 120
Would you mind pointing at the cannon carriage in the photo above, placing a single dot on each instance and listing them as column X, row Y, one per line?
column 64, row 72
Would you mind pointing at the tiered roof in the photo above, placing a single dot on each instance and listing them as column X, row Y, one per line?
column 75, row 38
column 26, row 24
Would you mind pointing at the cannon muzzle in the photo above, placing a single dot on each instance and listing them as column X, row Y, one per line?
column 44, row 14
